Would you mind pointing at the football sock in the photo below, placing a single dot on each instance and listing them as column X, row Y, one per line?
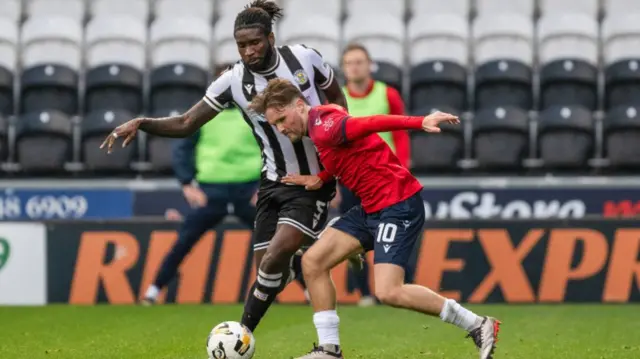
column 152, row 292
column 263, row 292
column 454, row 313
column 326, row 323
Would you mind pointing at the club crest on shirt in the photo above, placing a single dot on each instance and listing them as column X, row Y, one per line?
column 301, row 77
column 327, row 125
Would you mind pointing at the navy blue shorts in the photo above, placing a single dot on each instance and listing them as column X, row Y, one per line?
column 391, row 232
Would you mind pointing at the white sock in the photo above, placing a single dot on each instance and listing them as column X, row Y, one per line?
column 326, row 323
column 152, row 292
column 455, row 314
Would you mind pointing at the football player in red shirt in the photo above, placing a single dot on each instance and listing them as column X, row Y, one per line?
column 389, row 221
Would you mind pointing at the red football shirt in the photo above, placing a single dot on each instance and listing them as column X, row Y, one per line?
column 363, row 163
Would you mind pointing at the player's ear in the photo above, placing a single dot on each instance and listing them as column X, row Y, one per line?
column 272, row 39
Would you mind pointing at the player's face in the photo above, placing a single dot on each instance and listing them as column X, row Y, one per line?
column 288, row 120
column 255, row 48
column 356, row 66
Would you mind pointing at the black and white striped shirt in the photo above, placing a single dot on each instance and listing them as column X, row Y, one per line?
column 302, row 66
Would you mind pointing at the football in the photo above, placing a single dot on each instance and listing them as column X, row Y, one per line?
column 230, row 340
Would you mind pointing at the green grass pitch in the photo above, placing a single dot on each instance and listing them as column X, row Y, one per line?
column 179, row 332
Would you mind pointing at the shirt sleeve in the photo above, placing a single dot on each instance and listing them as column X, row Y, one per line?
column 360, row 127
column 330, row 127
column 400, row 138
column 218, row 94
column 323, row 73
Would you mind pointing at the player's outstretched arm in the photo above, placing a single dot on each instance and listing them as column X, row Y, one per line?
column 360, row 127
column 175, row 126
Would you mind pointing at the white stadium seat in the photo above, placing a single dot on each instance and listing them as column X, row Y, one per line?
column 621, row 37
column 382, row 35
column 429, row 7
column 74, row 9
column 116, row 39
column 522, row 7
column 225, row 50
column 620, row 7
column 51, row 40
column 439, row 37
column 361, row 7
column 331, row 8
column 136, row 8
column 324, row 36
column 184, row 8
column 8, row 43
column 230, row 7
column 563, row 36
column 11, row 9
column 503, row 37
column 180, row 40
column 585, row 7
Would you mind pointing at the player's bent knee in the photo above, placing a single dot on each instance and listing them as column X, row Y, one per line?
column 390, row 296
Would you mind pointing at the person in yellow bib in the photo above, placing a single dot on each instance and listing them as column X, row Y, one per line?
column 367, row 97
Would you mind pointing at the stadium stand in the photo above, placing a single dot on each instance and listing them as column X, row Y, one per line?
column 555, row 83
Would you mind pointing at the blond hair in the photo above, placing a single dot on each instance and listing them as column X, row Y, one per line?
column 278, row 94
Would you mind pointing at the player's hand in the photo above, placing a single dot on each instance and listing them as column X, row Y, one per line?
column 432, row 122
column 127, row 131
column 194, row 196
column 310, row 183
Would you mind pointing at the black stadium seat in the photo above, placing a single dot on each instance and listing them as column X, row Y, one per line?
column 503, row 83
column 622, row 137
column 389, row 74
column 437, row 153
column 569, row 83
column 622, row 84
column 177, row 86
column 49, row 88
column 43, row 141
column 160, row 149
column 566, row 137
column 4, row 150
column 114, row 87
column 96, row 126
column 6, row 92
column 439, row 84
column 501, row 138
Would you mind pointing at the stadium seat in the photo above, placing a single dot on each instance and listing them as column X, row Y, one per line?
column 589, row 8
column 43, row 141
column 504, row 83
column 114, row 87
column 11, row 10
column 565, row 137
column 621, row 38
column 51, row 40
column 74, row 9
column 225, row 48
column 622, row 84
column 116, row 39
column 520, row 7
column 500, row 138
column 568, row 36
column 324, row 36
column 457, row 7
column 160, row 149
column 441, row 37
column 177, row 86
column 384, row 43
column 4, row 143
column 438, row 84
column 569, row 83
column 184, row 8
column 503, row 37
column 374, row 7
column 620, row 7
column 49, row 87
column 622, row 137
column 302, row 8
column 6, row 92
column 94, row 128
column 183, row 40
column 431, row 154
column 138, row 9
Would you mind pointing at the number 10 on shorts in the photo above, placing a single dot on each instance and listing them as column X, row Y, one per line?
column 386, row 232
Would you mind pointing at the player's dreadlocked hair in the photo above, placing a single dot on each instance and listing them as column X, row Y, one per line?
column 259, row 13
